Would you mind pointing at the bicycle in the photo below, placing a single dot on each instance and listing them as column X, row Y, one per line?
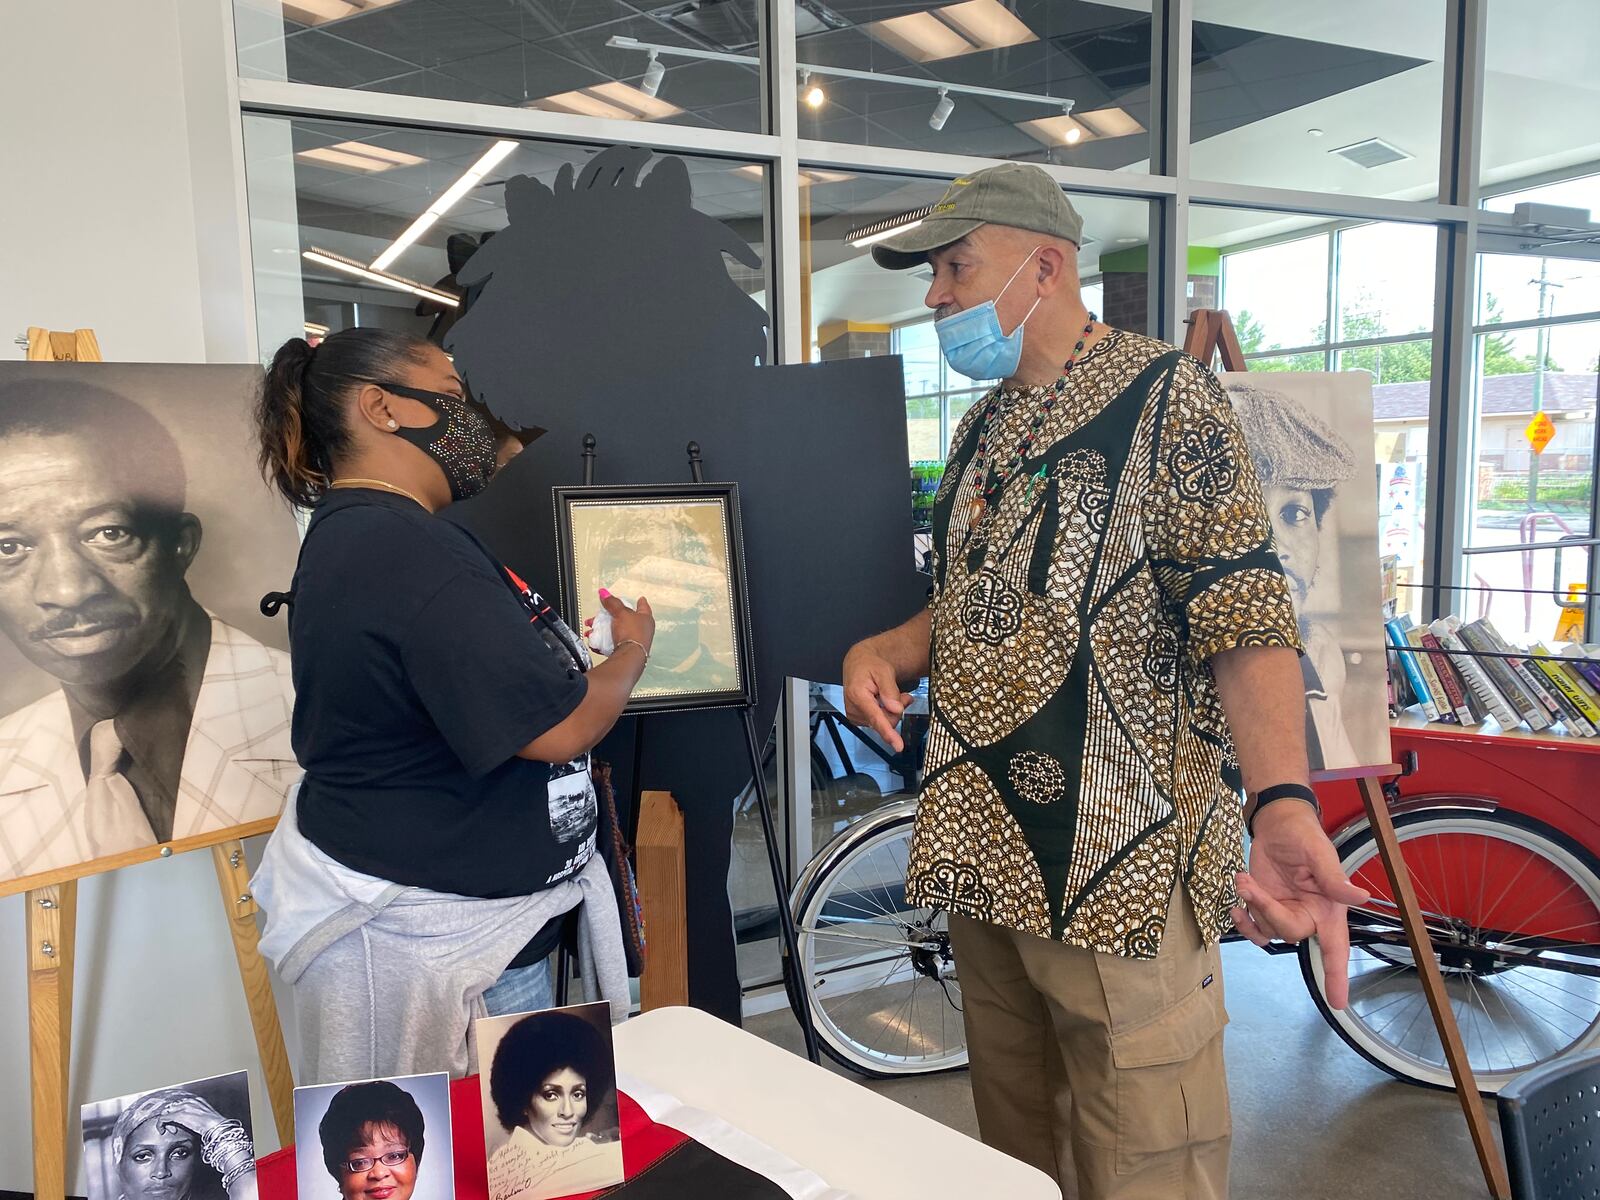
column 1505, row 871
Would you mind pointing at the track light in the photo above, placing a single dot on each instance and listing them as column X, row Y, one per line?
column 653, row 75
column 815, row 97
column 942, row 110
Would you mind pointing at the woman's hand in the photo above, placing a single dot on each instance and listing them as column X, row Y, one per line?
column 195, row 1115
column 636, row 624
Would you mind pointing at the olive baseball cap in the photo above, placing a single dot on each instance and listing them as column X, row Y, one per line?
column 1016, row 194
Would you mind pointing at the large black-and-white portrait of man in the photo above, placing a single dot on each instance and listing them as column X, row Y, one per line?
column 145, row 699
column 1303, row 430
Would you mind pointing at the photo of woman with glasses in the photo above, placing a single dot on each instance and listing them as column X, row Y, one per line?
column 372, row 1136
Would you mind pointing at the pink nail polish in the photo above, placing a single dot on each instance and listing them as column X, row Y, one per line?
column 604, row 595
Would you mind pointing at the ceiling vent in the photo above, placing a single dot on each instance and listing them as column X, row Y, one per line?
column 1374, row 152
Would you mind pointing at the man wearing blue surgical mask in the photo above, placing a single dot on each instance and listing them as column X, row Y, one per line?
column 1112, row 657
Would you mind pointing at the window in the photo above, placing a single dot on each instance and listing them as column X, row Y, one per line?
column 1373, row 284
column 302, row 204
column 1322, row 98
column 600, row 58
column 1536, row 352
column 1540, row 90
column 1065, row 82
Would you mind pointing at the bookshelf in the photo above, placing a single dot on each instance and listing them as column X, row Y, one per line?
column 1412, row 721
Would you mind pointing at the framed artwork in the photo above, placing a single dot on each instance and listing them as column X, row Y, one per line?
column 680, row 547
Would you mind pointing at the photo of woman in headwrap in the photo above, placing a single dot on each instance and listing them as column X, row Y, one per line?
column 551, row 1089
column 174, row 1143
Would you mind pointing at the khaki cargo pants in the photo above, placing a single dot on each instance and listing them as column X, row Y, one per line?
column 1106, row 1073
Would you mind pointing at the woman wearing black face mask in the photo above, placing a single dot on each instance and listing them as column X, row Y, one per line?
column 443, row 715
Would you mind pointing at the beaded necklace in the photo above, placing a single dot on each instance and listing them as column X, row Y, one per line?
column 990, row 495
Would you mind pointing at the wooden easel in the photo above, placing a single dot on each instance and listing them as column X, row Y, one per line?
column 52, row 909
column 1211, row 333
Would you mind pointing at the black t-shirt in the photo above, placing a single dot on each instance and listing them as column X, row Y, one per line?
column 418, row 676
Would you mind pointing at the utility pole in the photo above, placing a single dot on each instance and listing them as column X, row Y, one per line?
column 1540, row 357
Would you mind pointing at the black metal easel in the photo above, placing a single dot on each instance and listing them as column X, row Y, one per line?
column 793, row 979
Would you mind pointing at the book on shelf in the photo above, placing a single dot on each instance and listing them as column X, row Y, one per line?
column 1584, row 680
column 1447, row 630
column 1532, row 680
column 1396, row 629
column 1583, row 715
column 1585, row 660
column 1506, row 679
column 1430, row 677
column 1449, row 678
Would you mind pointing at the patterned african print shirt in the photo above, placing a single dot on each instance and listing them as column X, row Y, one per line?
column 1078, row 761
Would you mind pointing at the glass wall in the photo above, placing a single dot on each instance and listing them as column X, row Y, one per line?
column 1058, row 81
column 335, row 237
column 1319, row 97
column 1372, row 285
column 1536, row 357
column 1541, row 91
column 1300, row 119
column 686, row 63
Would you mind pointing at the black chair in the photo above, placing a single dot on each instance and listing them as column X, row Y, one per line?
column 1550, row 1120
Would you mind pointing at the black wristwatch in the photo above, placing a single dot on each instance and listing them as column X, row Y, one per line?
column 1279, row 791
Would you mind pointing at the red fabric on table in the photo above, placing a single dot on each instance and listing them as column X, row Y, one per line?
column 643, row 1142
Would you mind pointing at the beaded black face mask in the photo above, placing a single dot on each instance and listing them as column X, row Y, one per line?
column 461, row 441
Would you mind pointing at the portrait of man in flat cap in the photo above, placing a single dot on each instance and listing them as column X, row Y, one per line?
column 1302, row 430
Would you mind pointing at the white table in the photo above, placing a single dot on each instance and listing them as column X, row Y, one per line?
column 855, row 1139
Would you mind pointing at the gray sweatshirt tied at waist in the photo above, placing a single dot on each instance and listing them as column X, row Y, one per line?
column 387, row 979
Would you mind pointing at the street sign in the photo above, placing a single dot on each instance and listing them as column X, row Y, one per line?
column 1539, row 432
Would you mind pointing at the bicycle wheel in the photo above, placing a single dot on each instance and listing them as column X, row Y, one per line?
column 1513, row 912
column 884, row 995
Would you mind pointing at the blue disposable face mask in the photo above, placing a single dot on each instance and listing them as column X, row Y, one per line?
column 973, row 342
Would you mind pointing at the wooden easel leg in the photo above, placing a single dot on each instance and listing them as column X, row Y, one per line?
column 233, row 877
column 1444, row 1018
column 52, row 924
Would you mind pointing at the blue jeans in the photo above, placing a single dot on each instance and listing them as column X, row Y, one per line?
column 521, row 989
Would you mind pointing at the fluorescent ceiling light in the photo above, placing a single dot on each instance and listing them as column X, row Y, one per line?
column 359, row 156
column 492, row 158
column 883, row 233
column 880, row 234
column 1110, row 123
column 636, row 100
column 315, row 12
column 951, row 31
column 320, row 12
column 315, row 330
column 614, row 101
column 921, row 37
column 1057, row 131
column 808, row 175
column 987, row 24
column 400, row 284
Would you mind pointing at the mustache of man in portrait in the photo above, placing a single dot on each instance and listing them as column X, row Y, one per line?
column 95, row 547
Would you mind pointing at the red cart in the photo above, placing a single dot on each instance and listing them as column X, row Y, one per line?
column 1501, row 834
